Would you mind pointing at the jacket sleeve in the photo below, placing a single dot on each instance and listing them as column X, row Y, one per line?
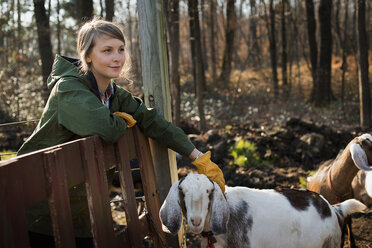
column 154, row 125
column 81, row 112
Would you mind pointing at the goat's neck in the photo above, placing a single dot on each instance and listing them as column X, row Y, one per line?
column 343, row 170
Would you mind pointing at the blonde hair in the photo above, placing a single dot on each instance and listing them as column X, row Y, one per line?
column 93, row 29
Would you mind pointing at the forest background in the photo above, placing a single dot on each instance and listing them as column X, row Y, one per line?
column 229, row 61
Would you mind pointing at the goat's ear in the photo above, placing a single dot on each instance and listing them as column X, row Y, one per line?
column 170, row 212
column 219, row 212
column 359, row 157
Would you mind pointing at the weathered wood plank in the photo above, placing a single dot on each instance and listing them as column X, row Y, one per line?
column 124, row 156
column 97, row 192
column 149, row 186
column 59, row 201
column 12, row 215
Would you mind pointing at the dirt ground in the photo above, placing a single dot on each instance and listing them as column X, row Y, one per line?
column 362, row 229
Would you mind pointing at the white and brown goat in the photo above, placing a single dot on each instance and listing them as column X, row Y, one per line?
column 334, row 177
column 245, row 217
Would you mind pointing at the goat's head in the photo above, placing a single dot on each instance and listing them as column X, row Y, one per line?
column 198, row 199
column 361, row 151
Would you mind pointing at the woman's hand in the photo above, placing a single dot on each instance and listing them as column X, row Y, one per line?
column 211, row 170
column 127, row 117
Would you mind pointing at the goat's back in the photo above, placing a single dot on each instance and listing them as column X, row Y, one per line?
column 286, row 218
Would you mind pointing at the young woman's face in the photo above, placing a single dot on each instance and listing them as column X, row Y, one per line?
column 106, row 58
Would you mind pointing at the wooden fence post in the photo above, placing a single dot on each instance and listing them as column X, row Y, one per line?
column 156, row 89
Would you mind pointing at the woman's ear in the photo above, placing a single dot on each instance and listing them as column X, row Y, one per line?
column 170, row 212
column 220, row 212
column 88, row 59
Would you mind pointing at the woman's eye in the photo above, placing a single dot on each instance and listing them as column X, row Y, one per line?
column 121, row 50
column 107, row 50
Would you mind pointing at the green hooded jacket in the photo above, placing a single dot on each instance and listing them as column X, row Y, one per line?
column 74, row 110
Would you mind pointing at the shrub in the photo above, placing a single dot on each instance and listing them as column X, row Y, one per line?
column 245, row 154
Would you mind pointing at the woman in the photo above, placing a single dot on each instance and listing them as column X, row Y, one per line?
column 85, row 101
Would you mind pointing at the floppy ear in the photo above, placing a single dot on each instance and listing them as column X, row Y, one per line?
column 170, row 212
column 220, row 212
column 358, row 155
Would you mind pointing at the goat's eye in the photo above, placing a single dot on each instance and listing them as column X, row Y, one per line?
column 207, row 191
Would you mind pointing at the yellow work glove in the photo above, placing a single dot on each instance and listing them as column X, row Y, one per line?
column 127, row 117
column 211, row 170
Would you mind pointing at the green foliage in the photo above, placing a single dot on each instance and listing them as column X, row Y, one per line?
column 245, row 154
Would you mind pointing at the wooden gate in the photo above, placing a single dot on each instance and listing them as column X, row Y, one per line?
column 49, row 173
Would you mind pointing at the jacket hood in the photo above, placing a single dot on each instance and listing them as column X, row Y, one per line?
column 64, row 67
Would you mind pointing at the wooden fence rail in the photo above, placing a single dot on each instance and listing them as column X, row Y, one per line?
column 50, row 173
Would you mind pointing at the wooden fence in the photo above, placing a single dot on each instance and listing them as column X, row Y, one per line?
column 49, row 173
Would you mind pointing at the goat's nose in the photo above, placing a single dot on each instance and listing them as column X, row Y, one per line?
column 196, row 221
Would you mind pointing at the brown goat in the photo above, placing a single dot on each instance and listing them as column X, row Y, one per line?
column 333, row 178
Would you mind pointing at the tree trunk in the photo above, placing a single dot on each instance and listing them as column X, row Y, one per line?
column 173, row 21
column 284, row 47
column 197, row 59
column 364, row 92
column 58, row 28
column 311, row 33
column 323, row 92
column 19, row 29
column 212, row 38
column 229, row 42
column 342, row 37
column 110, row 9
column 45, row 44
column 84, row 10
column 204, row 36
column 255, row 48
column 272, row 42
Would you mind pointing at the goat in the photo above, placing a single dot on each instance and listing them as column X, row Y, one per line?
column 333, row 178
column 362, row 187
column 245, row 217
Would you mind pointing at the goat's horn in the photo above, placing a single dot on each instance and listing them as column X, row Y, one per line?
column 359, row 157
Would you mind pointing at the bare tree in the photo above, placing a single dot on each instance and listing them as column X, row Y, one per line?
column 323, row 92
column 45, row 44
column 284, row 45
column 58, row 28
column 212, row 37
column 254, row 47
column 364, row 91
column 342, row 38
column 229, row 42
column 173, row 26
column 204, row 34
column 311, row 33
column 84, row 10
column 110, row 7
column 270, row 25
column 19, row 28
column 199, row 76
